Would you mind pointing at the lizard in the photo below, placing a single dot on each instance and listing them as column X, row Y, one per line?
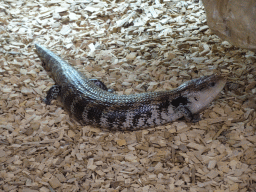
column 91, row 103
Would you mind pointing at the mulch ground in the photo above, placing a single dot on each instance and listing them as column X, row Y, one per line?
column 133, row 47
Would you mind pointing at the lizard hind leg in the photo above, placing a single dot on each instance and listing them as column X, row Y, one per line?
column 52, row 93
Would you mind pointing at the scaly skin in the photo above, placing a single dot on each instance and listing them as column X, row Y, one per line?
column 90, row 102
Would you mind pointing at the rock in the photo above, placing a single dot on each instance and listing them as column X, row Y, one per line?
column 233, row 20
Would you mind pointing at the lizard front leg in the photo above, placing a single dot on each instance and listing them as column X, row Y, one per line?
column 52, row 93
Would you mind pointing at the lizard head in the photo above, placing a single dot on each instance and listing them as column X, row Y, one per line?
column 202, row 91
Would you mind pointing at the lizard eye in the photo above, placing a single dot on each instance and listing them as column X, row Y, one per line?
column 196, row 98
column 212, row 84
